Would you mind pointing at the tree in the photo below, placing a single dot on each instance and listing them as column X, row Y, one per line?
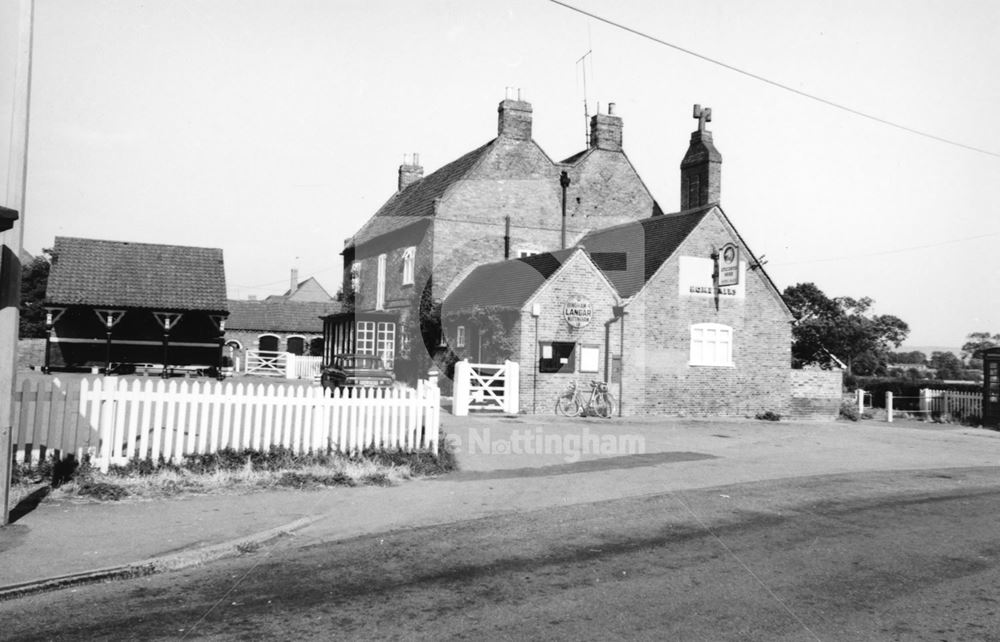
column 977, row 342
column 842, row 328
column 34, row 281
column 947, row 365
column 913, row 357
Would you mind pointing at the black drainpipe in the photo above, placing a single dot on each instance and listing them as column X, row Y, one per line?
column 564, row 183
column 506, row 238
column 619, row 315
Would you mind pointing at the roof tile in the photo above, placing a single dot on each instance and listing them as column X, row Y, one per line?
column 136, row 275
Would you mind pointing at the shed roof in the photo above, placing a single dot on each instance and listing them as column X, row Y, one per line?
column 279, row 315
column 122, row 274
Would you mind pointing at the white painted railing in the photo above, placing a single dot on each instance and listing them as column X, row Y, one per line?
column 117, row 420
column 951, row 402
column 299, row 367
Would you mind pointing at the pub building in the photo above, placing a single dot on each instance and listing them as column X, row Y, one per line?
column 572, row 270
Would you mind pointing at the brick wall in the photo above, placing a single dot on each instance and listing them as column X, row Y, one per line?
column 658, row 378
column 539, row 390
column 816, row 393
column 30, row 353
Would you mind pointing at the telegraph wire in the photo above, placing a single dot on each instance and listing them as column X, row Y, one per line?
column 884, row 252
column 774, row 83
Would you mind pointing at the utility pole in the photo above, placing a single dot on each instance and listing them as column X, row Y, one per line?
column 10, row 246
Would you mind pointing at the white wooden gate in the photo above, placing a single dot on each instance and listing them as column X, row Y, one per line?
column 485, row 386
column 267, row 363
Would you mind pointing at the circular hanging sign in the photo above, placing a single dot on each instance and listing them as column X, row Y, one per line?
column 577, row 311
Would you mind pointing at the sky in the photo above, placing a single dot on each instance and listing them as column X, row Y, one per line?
column 274, row 130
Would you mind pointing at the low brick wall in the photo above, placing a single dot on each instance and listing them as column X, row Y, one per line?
column 30, row 353
column 816, row 393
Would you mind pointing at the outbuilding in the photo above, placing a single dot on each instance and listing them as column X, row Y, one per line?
column 115, row 305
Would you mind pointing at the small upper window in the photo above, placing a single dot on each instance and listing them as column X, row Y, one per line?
column 409, row 256
column 711, row 345
column 380, row 284
column 460, row 337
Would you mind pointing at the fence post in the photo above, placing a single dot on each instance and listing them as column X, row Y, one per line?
column 510, row 387
column 946, row 411
column 925, row 403
column 460, row 396
column 888, row 406
column 860, row 394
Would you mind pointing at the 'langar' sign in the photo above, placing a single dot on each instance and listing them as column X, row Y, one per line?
column 577, row 311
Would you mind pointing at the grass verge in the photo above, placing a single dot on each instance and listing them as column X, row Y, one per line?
column 231, row 471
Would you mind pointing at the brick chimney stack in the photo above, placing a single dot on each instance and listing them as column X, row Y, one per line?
column 701, row 169
column 294, row 281
column 514, row 119
column 409, row 172
column 606, row 130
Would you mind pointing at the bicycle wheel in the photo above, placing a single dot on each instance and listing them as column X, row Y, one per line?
column 601, row 405
column 611, row 403
column 568, row 406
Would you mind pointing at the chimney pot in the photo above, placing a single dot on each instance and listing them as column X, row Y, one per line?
column 514, row 119
column 409, row 172
column 606, row 130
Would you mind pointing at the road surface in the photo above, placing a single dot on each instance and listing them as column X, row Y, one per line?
column 835, row 557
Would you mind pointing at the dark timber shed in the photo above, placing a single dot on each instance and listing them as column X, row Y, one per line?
column 116, row 304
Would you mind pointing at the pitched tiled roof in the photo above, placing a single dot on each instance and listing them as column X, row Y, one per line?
column 629, row 254
column 506, row 284
column 417, row 198
column 279, row 315
column 136, row 275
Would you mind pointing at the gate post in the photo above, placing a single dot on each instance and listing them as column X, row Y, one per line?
column 511, row 384
column 860, row 394
column 290, row 366
column 461, row 389
column 888, row 406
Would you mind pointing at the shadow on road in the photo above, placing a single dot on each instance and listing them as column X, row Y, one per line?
column 28, row 504
column 587, row 466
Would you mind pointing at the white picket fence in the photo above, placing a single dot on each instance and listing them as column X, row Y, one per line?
column 115, row 420
column 951, row 402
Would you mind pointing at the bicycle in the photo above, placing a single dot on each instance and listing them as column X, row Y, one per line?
column 600, row 403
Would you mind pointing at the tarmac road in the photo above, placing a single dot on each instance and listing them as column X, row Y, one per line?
column 834, row 557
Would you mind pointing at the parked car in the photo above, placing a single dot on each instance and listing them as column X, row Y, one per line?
column 356, row 370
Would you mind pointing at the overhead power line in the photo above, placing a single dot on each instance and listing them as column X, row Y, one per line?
column 773, row 83
column 883, row 252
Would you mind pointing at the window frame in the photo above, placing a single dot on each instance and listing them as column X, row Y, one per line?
column 719, row 337
column 409, row 260
column 380, row 283
column 460, row 337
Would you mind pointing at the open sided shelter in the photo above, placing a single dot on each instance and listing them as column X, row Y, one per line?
column 117, row 304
